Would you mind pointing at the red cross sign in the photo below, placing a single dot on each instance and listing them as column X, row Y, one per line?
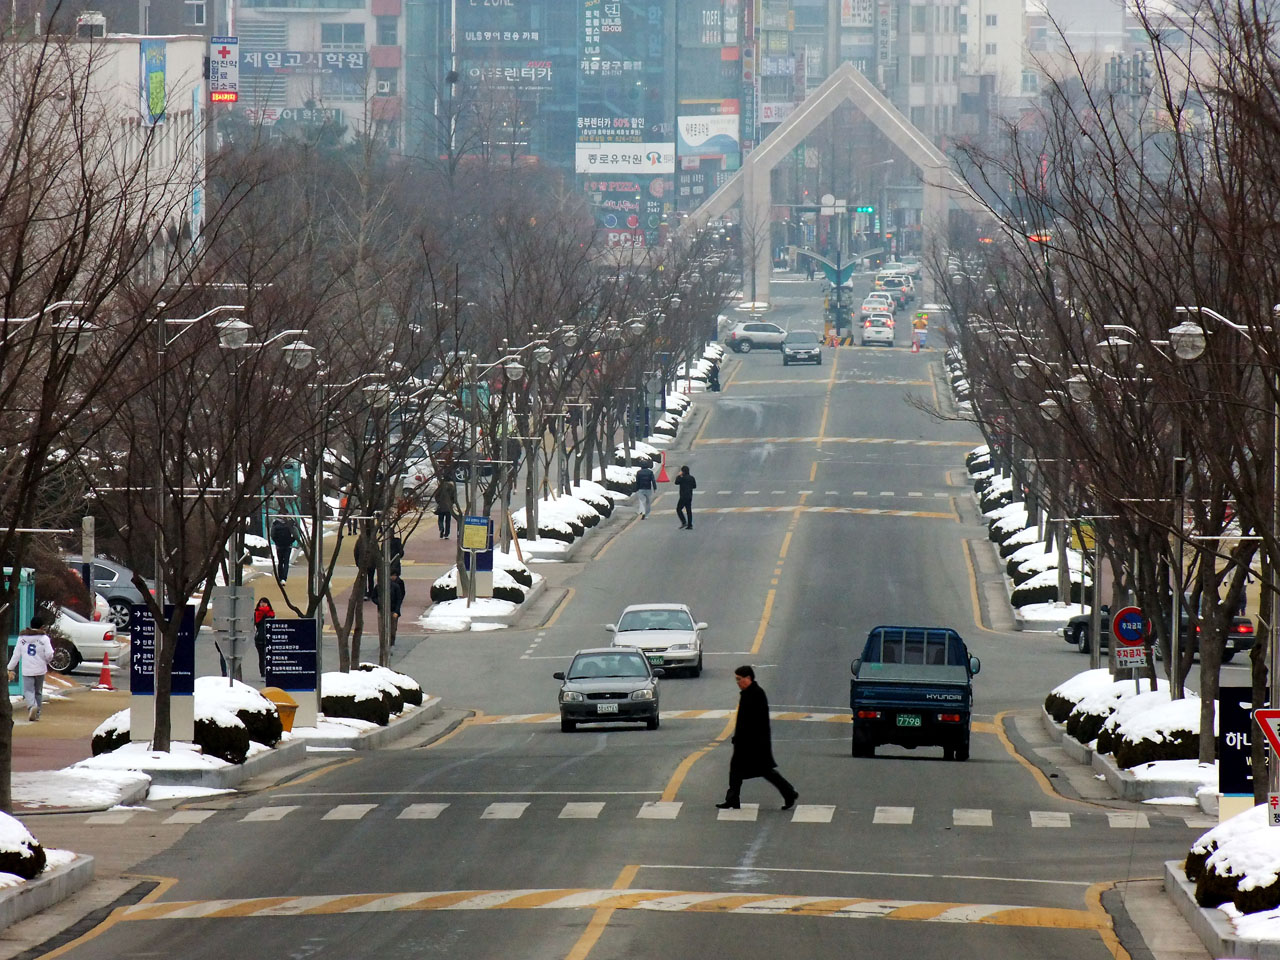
column 223, row 52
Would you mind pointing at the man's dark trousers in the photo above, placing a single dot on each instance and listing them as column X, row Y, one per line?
column 684, row 512
column 771, row 775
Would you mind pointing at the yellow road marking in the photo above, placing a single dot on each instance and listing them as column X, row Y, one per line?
column 621, row 896
column 813, row 471
column 162, row 886
column 1106, row 928
column 600, row 920
column 764, row 622
column 1036, row 773
column 801, row 508
column 826, row 401
column 697, row 439
column 314, row 774
column 564, row 602
column 974, row 602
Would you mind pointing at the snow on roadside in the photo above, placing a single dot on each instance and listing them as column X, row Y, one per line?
column 1085, row 684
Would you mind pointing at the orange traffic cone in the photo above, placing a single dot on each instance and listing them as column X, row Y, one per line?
column 662, row 471
column 915, row 344
column 104, row 677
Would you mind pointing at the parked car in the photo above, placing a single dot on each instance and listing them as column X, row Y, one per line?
column 746, row 335
column 115, row 582
column 609, row 685
column 665, row 632
column 1239, row 639
column 877, row 328
column 76, row 640
column 802, row 346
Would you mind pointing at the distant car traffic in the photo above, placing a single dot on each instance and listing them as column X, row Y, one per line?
column 1239, row 639
column 877, row 304
column 665, row 632
column 115, row 582
column 609, row 685
column 877, row 328
column 747, row 335
column 802, row 346
column 76, row 640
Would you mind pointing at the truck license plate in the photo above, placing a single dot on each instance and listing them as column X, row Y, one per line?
column 608, row 708
column 908, row 719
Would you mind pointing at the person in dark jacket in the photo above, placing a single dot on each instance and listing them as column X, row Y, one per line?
column 753, row 744
column 646, row 483
column 263, row 611
column 446, row 504
column 282, row 536
column 684, row 505
column 396, row 598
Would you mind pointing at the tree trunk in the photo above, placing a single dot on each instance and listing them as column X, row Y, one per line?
column 1211, row 643
column 1259, row 679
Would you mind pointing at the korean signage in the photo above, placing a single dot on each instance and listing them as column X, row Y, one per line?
column 317, row 116
column 603, row 129
column 749, row 77
column 860, row 14
column 884, row 33
column 525, row 74
column 777, row 66
column 477, row 533
column 596, row 67
column 731, row 22
column 142, row 652
column 1235, row 741
column 224, row 70
column 597, row 158
column 708, row 136
column 291, row 653
column 502, row 36
column 303, row 62
column 775, row 112
column 151, row 81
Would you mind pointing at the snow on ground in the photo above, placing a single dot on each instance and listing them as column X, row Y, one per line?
column 1039, row 562
column 1023, row 537
column 1250, row 849
column 1008, row 519
column 1136, row 704
column 1085, row 684
column 483, row 627
column 1177, row 770
column 1174, row 801
column 1106, row 698
column 138, row 756
column 1162, row 718
column 184, row 793
column 232, row 695
column 328, row 727
column 360, row 684
column 1050, row 612
column 70, row 787
column 453, row 616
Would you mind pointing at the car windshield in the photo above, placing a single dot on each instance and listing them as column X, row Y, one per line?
column 802, row 336
column 655, row 620
column 599, row 666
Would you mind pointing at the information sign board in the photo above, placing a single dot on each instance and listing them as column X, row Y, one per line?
column 291, row 653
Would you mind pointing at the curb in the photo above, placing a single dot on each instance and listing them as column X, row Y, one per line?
column 51, row 887
column 231, row 775
column 135, row 792
column 1211, row 925
column 1072, row 747
column 1130, row 787
column 401, row 726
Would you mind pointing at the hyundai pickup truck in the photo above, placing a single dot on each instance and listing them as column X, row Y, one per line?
column 913, row 687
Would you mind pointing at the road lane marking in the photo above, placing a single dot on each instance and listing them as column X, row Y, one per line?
column 624, row 897
column 504, row 811
column 971, row 818
column 112, row 817
column 895, row 815
column 267, row 814
column 422, row 811
column 801, row 508
column 813, row 813
column 349, row 811
column 660, row 810
column 748, row 812
column 582, row 810
column 886, row 441
column 1128, row 820
column 1050, row 819
column 189, row 816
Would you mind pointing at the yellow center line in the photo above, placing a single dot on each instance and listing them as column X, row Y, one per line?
column 162, row 886
column 1106, row 927
column 826, row 402
column 600, row 919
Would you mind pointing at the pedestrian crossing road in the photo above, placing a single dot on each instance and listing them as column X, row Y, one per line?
column 471, row 807
column 918, row 494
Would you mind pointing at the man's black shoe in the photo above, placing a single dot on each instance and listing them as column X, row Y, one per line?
column 790, row 801
column 728, row 806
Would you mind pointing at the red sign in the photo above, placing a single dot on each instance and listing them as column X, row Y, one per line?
column 1269, row 722
column 224, row 96
column 1129, row 627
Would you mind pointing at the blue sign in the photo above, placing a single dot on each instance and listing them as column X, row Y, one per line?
column 291, row 653
column 142, row 652
column 1129, row 626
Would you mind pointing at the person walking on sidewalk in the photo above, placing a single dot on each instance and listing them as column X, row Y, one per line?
column 753, row 744
column 35, row 650
column 684, row 505
column 282, row 536
column 262, row 612
column 446, row 504
column 646, row 483
column 395, row 590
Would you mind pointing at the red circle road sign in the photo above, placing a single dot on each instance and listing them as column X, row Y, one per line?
column 1129, row 627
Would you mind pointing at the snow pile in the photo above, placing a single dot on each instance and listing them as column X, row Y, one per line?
column 1083, row 685
column 358, row 684
column 1022, row 538
column 70, row 787
column 1007, row 519
column 1161, row 721
column 453, row 616
column 1237, row 865
column 231, row 696
column 1039, row 562
column 385, row 675
column 140, row 756
column 1052, row 614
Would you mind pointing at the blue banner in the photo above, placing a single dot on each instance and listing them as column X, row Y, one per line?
column 291, row 653
column 152, row 81
column 142, row 652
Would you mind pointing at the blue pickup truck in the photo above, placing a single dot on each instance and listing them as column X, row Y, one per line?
column 913, row 687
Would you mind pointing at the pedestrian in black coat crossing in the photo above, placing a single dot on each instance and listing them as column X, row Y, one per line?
column 753, row 744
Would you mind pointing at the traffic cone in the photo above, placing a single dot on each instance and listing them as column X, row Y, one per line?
column 915, row 345
column 662, row 471
column 104, row 676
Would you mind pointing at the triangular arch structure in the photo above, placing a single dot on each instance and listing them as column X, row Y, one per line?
column 751, row 185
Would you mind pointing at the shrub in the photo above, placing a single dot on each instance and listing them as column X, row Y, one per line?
column 25, row 862
column 1086, row 726
column 1177, row 745
column 410, row 690
column 229, row 743
column 440, row 592
column 975, row 457
column 1058, row 707
column 264, row 726
column 511, row 594
column 104, row 741
column 1108, row 740
column 374, row 710
column 1043, row 593
column 520, row 576
column 1194, row 867
column 549, row 533
column 1016, row 541
column 990, row 501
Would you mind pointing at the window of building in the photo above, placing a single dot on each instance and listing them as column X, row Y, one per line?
column 342, row 36
column 1030, row 83
column 962, row 23
column 989, row 50
column 388, row 31
column 919, row 23
column 195, row 13
column 917, row 117
column 386, row 79
column 918, row 69
column 990, row 20
column 964, row 49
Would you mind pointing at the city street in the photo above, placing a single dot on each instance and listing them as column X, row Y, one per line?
column 827, row 503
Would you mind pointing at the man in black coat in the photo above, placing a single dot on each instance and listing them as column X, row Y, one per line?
column 753, row 744
column 282, row 536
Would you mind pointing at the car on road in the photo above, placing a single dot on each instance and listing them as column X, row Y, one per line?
column 880, row 303
column 77, row 640
column 802, row 346
column 609, row 685
column 1240, row 636
column 666, row 633
column 877, row 328
column 747, row 335
column 115, row 582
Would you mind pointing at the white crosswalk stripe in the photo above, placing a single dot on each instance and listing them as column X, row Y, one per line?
column 1128, row 820
column 901, row 815
column 971, row 818
column 112, row 816
column 582, row 811
column 660, row 810
column 748, row 812
column 504, row 811
column 189, row 816
column 267, row 814
column 813, row 813
column 1050, row 818
column 422, row 811
column 349, row 811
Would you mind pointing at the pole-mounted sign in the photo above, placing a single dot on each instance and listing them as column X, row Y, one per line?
column 224, row 69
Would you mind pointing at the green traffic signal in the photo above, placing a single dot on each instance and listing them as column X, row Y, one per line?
column 865, row 209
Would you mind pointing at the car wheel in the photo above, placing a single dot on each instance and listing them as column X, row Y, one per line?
column 120, row 611
column 65, row 656
column 862, row 745
column 1082, row 639
column 568, row 726
column 786, row 362
column 744, row 346
column 652, row 722
column 962, row 749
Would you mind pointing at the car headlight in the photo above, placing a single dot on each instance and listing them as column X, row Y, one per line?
column 571, row 696
column 646, row 694
column 681, row 646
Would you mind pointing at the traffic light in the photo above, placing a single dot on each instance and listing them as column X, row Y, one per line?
column 864, row 209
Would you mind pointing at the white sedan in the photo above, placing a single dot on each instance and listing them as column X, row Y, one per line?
column 666, row 632
column 877, row 328
column 77, row 640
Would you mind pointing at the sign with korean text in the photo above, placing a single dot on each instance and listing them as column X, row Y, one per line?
column 1129, row 657
column 142, row 652
column 1273, row 809
column 708, row 136
column 524, row 74
column 1268, row 721
column 1129, row 626
column 859, row 14
column 317, row 116
column 1235, row 745
column 775, row 112
column 884, row 33
column 303, row 62
column 291, row 653
column 475, row 533
column 151, row 81
column 599, row 158
column 224, row 70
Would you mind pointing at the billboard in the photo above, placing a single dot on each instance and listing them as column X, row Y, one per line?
column 710, row 136
column 633, row 158
column 302, row 62
column 151, row 88
column 776, row 111
column 224, row 70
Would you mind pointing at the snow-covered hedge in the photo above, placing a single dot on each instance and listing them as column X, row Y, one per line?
column 1098, row 703
column 260, row 717
column 1005, row 521
column 565, row 518
column 1033, row 562
column 641, row 454
column 409, row 689
column 979, row 458
column 1043, row 588
column 1238, row 862
column 1063, row 698
column 360, row 695
column 1016, row 541
column 594, row 494
column 20, row 853
column 505, row 585
column 1113, row 728
column 1167, row 731
column 620, row 479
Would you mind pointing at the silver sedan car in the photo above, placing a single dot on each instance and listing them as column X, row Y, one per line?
column 666, row 632
column 608, row 685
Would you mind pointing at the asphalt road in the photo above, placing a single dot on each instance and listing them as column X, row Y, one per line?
column 827, row 503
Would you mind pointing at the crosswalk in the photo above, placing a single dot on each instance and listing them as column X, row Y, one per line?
column 542, row 808
column 914, row 494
